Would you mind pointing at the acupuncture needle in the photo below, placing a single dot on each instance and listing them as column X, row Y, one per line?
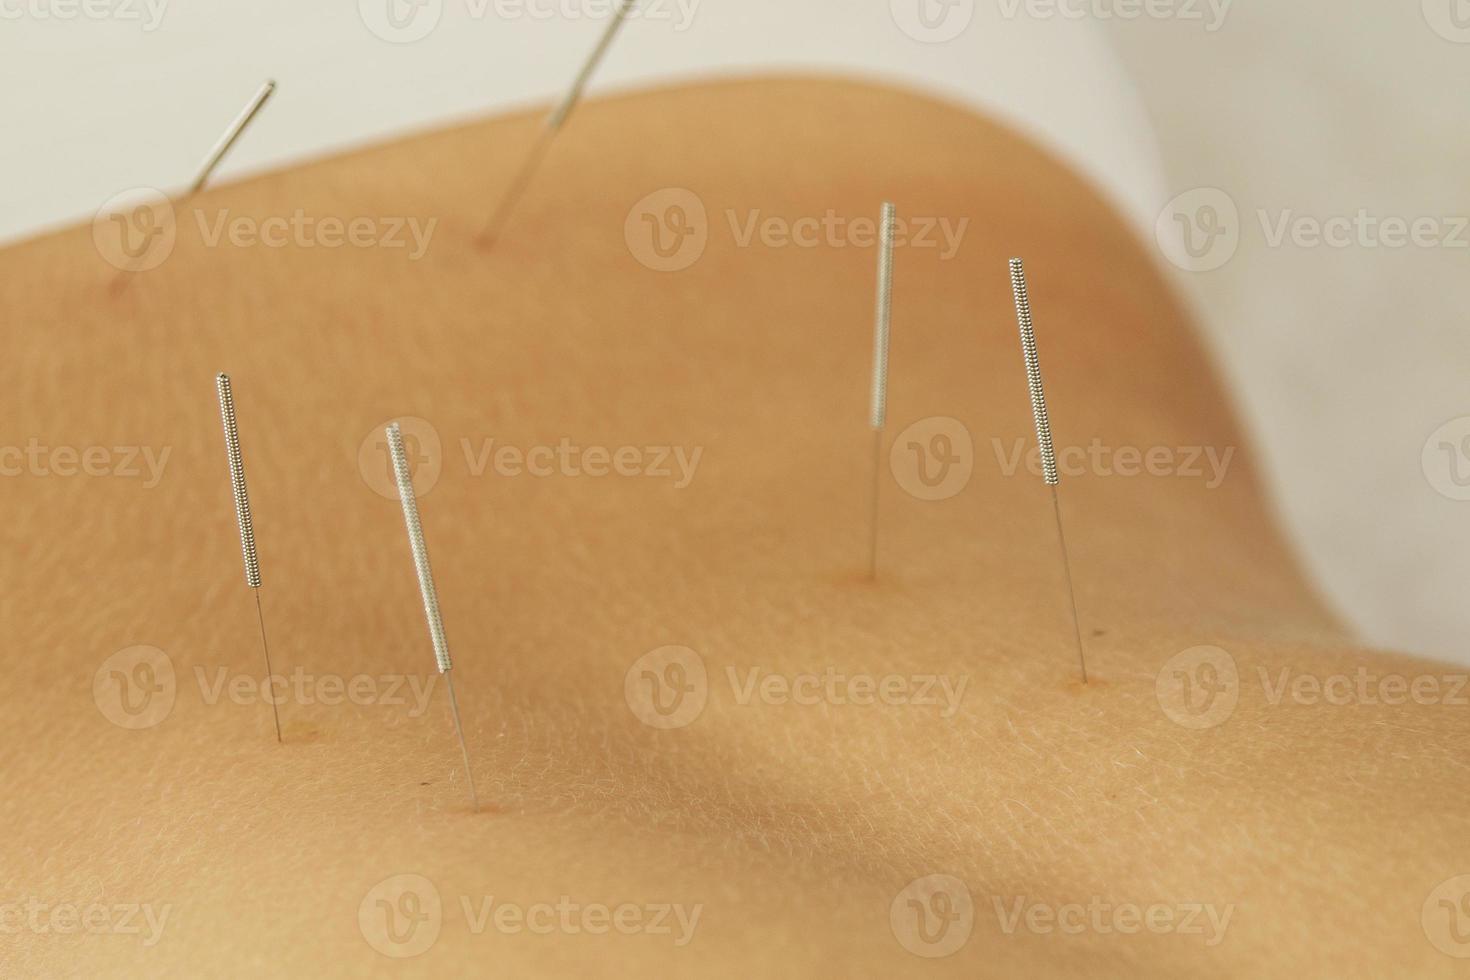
column 218, row 152
column 1043, row 435
column 553, row 124
column 247, row 524
column 426, row 588
column 230, row 137
column 878, row 404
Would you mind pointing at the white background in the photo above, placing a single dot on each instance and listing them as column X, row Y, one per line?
column 1344, row 360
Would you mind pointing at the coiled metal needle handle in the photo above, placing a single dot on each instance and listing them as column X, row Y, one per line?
column 420, row 551
column 237, row 480
column 1033, row 373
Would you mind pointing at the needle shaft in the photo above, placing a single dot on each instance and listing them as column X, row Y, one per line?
column 517, row 187
column 1071, row 591
column 269, row 674
column 873, row 517
column 574, row 94
column 554, row 122
column 211, row 162
column 463, row 746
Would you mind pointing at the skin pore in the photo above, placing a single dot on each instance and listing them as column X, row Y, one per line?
column 617, row 456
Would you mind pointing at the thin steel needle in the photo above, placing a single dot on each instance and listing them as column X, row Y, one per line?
column 216, row 155
column 516, row 187
column 230, row 137
column 247, row 526
column 1043, row 435
column 426, row 588
column 878, row 406
column 550, row 128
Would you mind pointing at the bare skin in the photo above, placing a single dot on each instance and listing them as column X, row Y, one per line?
column 1285, row 836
